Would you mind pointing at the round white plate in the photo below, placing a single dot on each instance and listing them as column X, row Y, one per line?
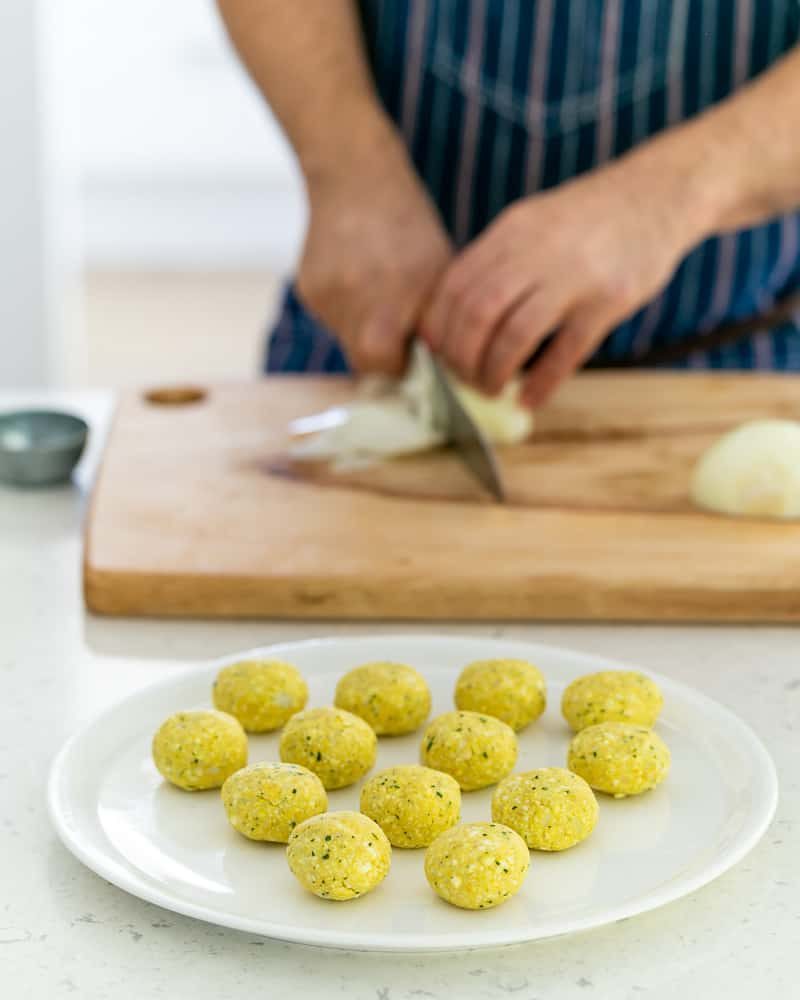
column 113, row 811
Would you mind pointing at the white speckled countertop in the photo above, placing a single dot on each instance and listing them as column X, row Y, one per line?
column 64, row 931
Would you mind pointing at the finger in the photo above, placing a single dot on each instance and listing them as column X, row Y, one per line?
column 382, row 341
column 476, row 316
column 464, row 272
column 518, row 336
column 573, row 344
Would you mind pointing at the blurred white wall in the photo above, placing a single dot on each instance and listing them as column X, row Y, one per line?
column 182, row 165
column 22, row 314
column 40, row 336
column 130, row 140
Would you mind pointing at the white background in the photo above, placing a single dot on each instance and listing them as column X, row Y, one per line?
column 131, row 139
column 181, row 163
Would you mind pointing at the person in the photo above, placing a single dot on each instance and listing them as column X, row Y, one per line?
column 530, row 185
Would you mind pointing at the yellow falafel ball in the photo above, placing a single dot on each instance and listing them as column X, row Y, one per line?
column 200, row 749
column 478, row 865
column 266, row 801
column 550, row 808
column 619, row 758
column 510, row 690
column 476, row 749
column 611, row 696
column 339, row 855
column 412, row 804
column 393, row 698
column 261, row 694
column 336, row 745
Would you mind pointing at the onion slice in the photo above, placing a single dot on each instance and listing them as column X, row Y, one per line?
column 393, row 418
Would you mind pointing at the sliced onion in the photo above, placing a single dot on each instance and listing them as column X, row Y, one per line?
column 399, row 418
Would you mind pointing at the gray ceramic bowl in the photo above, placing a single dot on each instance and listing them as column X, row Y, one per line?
column 40, row 447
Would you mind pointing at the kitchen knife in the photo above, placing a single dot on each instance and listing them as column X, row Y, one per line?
column 463, row 433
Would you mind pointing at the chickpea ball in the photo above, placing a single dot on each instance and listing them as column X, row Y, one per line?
column 510, row 690
column 261, row 694
column 198, row 750
column 477, row 866
column 336, row 745
column 477, row 750
column 266, row 801
column 412, row 804
column 619, row 758
column 550, row 808
column 611, row 696
column 393, row 698
column 339, row 855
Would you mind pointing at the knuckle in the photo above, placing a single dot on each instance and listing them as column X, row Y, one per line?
column 518, row 333
column 618, row 289
column 574, row 333
column 621, row 292
column 451, row 285
column 497, row 295
column 479, row 310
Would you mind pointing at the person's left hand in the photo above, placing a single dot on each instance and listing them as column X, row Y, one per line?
column 572, row 262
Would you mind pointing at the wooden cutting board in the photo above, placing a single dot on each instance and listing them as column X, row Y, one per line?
column 197, row 512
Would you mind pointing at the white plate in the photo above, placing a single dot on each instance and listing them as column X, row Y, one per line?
column 176, row 849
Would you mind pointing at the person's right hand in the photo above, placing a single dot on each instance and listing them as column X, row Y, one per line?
column 374, row 249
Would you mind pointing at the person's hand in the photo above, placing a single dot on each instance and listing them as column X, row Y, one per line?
column 374, row 249
column 572, row 263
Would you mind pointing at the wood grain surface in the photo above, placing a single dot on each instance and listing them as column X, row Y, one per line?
column 197, row 512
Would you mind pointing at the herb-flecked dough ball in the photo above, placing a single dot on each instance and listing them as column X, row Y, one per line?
column 200, row 749
column 511, row 690
column 336, row 745
column 412, row 804
column 619, row 758
column 266, row 801
column 477, row 866
column 261, row 694
column 611, row 696
column 551, row 808
column 393, row 698
column 339, row 855
column 477, row 750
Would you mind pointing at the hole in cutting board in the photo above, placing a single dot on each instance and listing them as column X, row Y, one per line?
column 175, row 395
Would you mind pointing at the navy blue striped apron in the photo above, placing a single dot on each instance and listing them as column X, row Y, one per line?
column 497, row 99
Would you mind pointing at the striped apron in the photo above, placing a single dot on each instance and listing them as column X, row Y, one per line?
column 497, row 99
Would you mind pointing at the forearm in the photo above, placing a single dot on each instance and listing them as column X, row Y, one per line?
column 738, row 163
column 308, row 59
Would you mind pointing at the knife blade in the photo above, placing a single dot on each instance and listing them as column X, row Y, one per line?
column 461, row 431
